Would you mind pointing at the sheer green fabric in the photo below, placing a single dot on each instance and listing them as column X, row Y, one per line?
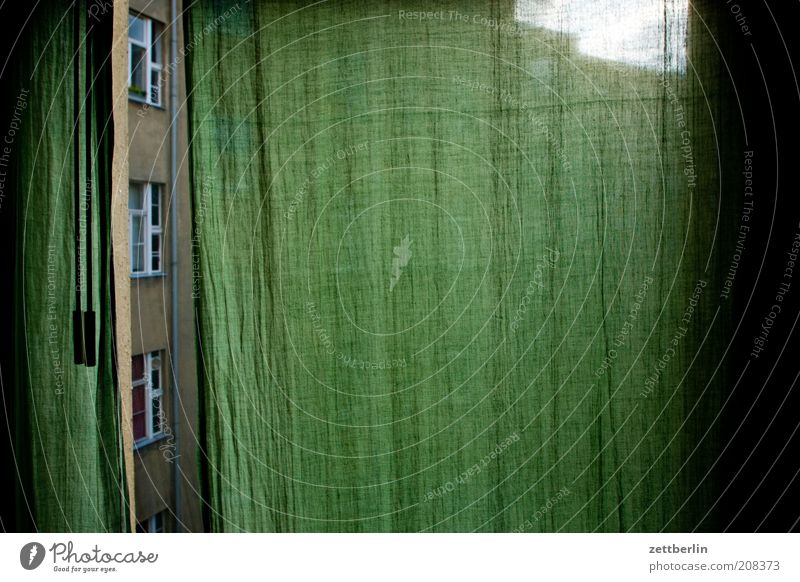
column 65, row 464
column 455, row 268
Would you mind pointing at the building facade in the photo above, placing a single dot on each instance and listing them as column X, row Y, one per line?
column 162, row 330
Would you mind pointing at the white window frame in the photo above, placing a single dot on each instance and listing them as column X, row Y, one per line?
column 152, row 91
column 150, row 230
column 152, row 361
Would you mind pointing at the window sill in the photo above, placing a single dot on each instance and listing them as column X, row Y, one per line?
column 132, row 97
column 148, row 441
column 148, row 275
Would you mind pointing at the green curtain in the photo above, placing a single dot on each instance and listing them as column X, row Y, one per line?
column 456, row 265
column 65, row 459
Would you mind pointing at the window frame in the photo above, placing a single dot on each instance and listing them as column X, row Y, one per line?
column 149, row 62
column 151, row 229
column 151, row 393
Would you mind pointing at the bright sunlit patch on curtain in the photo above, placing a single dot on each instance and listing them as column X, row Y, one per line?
column 646, row 33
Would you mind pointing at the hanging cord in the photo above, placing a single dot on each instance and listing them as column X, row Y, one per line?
column 77, row 314
column 83, row 322
column 89, row 318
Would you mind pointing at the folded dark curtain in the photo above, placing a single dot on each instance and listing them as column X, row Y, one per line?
column 459, row 267
column 63, row 449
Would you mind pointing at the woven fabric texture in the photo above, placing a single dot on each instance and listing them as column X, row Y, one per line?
column 66, row 468
column 457, row 267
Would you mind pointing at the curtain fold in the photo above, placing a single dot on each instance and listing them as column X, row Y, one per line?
column 456, row 268
column 65, row 457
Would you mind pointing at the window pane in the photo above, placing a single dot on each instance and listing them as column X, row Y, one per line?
column 137, row 230
column 135, row 196
column 138, row 400
column 139, row 426
column 155, row 263
column 155, row 87
column 155, row 205
column 155, row 50
column 137, row 244
column 155, row 379
column 156, row 414
column 137, row 80
column 137, row 368
column 137, row 258
column 136, row 27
